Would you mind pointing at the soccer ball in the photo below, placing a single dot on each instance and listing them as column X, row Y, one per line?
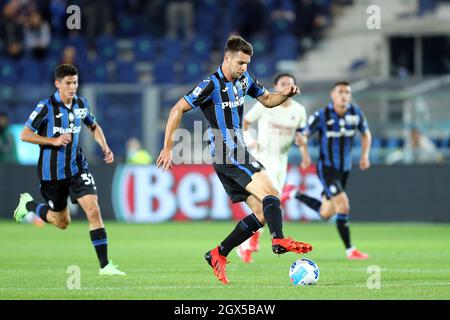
column 304, row 272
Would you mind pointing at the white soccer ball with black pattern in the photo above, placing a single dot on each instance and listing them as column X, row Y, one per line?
column 304, row 272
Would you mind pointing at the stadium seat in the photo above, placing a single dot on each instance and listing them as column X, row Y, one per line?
column 376, row 142
column 98, row 72
column 32, row 71
column 8, row 71
column 125, row 72
column 56, row 48
column 200, row 47
column 106, row 47
column 260, row 45
column 144, row 48
column 164, row 71
column 192, row 71
column 287, row 47
column 391, row 142
column 263, row 67
column 171, row 49
column 127, row 26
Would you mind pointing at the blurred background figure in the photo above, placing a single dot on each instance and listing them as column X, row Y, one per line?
column 69, row 55
column 11, row 29
column 180, row 17
column 418, row 149
column 250, row 27
column 37, row 35
column 135, row 154
column 8, row 153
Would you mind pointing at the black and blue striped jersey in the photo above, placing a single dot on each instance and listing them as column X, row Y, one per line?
column 222, row 103
column 336, row 134
column 52, row 118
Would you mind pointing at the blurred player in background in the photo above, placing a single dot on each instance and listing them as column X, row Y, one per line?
column 337, row 125
column 221, row 99
column 275, row 135
column 62, row 167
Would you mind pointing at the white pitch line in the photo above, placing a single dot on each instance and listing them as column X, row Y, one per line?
column 440, row 284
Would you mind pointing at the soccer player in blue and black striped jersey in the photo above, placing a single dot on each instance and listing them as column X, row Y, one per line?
column 221, row 99
column 337, row 124
column 62, row 167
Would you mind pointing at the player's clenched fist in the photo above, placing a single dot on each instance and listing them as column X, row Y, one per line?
column 164, row 159
column 63, row 140
column 290, row 90
column 109, row 156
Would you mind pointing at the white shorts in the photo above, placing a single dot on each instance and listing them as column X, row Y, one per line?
column 276, row 169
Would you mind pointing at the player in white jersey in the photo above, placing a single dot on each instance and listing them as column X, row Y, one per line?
column 274, row 138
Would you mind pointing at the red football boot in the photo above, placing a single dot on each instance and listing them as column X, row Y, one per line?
column 218, row 263
column 254, row 240
column 354, row 254
column 287, row 193
column 284, row 245
column 244, row 254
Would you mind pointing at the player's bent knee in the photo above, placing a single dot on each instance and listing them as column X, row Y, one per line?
column 270, row 191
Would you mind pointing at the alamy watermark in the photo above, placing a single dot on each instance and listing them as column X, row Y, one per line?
column 223, row 146
column 373, row 21
column 73, row 282
column 73, row 22
column 374, row 279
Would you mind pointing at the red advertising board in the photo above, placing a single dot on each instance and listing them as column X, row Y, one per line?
column 191, row 192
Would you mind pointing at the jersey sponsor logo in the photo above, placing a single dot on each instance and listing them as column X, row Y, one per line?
column 72, row 129
column 338, row 134
column 59, row 115
column 352, row 119
column 330, row 122
column 225, row 89
column 244, row 83
column 233, row 104
column 80, row 113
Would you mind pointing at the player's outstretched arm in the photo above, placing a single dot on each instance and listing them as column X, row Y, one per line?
column 164, row 160
column 100, row 138
column 366, row 141
column 270, row 100
column 30, row 136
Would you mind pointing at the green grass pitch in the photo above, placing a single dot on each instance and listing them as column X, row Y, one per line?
column 165, row 261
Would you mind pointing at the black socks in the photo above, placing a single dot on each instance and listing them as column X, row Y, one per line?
column 100, row 243
column 309, row 201
column 243, row 230
column 344, row 229
column 39, row 208
column 273, row 216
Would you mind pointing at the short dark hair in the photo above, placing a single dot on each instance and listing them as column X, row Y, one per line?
column 64, row 70
column 236, row 43
column 281, row 75
column 341, row 83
